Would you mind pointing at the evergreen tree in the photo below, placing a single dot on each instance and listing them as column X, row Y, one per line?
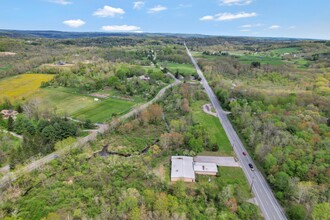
column 10, row 124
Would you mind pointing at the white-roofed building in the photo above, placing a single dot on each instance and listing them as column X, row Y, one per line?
column 205, row 168
column 182, row 169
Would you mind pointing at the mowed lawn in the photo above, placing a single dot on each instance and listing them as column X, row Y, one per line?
column 214, row 128
column 69, row 102
column 103, row 110
column 22, row 86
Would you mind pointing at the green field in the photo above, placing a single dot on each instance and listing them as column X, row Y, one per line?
column 281, row 51
column 6, row 67
column 248, row 59
column 68, row 101
column 103, row 110
column 185, row 69
column 214, row 128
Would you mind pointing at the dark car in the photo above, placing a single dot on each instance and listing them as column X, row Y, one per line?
column 251, row 166
column 244, row 153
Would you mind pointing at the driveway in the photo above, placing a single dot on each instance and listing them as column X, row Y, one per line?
column 219, row 161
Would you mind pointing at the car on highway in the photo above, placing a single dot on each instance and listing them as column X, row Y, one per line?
column 251, row 166
column 244, row 153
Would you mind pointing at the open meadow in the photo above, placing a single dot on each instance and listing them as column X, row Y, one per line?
column 69, row 102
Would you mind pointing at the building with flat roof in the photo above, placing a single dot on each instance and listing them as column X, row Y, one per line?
column 205, row 168
column 182, row 169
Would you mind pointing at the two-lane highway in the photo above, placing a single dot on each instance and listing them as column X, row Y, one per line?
column 263, row 194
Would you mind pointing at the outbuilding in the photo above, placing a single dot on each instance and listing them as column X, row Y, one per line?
column 182, row 169
column 205, row 168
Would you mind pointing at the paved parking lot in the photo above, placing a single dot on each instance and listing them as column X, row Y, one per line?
column 220, row 161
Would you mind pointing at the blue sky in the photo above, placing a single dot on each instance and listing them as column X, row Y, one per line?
column 266, row 18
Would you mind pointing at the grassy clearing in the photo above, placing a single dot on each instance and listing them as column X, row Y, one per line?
column 281, row 51
column 214, row 128
column 103, row 110
column 185, row 69
column 136, row 140
column 22, row 86
column 63, row 100
column 68, row 101
column 302, row 63
column 247, row 59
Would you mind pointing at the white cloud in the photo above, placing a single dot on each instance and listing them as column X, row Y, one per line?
column 108, row 11
column 62, row 2
column 74, row 23
column 180, row 6
column 207, row 18
column 235, row 2
column 245, row 30
column 251, row 25
column 138, row 5
column 274, row 27
column 156, row 9
column 292, row 27
column 124, row 28
column 228, row 16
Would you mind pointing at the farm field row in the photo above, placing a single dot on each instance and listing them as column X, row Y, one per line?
column 22, row 86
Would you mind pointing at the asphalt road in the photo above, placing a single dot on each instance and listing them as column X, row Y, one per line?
column 265, row 198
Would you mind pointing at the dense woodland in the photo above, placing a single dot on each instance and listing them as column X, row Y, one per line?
column 278, row 93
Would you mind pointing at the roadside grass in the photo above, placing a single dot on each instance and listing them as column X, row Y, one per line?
column 214, row 128
column 22, row 86
column 263, row 59
column 185, row 69
column 235, row 176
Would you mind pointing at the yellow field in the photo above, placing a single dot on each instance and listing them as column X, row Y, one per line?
column 22, row 86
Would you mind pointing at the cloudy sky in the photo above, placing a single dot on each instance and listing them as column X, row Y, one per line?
column 267, row 18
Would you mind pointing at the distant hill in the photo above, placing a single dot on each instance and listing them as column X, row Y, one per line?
column 64, row 35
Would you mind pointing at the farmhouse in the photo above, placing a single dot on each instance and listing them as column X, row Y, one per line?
column 182, row 169
column 9, row 113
